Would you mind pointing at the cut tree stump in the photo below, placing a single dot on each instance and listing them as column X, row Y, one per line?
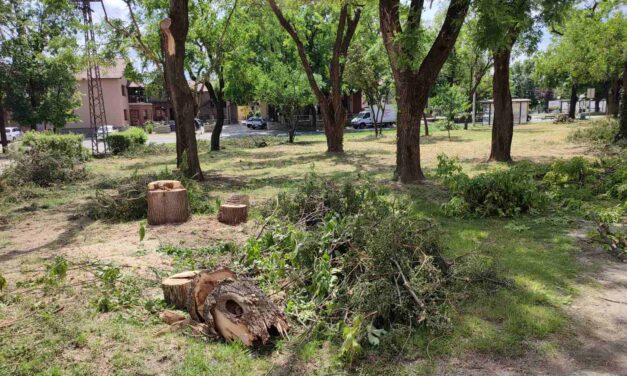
column 240, row 310
column 233, row 214
column 202, row 285
column 167, row 202
column 176, row 289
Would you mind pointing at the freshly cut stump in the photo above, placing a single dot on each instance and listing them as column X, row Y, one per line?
column 233, row 214
column 202, row 286
column 240, row 310
column 239, row 199
column 167, row 202
column 176, row 289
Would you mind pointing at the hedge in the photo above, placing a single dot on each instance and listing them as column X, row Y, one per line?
column 123, row 141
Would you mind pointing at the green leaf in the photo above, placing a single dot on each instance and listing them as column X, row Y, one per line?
column 142, row 231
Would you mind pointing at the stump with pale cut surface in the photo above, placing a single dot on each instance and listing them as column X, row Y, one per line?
column 167, row 202
column 176, row 289
column 233, row 214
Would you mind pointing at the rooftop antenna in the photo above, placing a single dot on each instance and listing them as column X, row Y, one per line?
column 97, row 115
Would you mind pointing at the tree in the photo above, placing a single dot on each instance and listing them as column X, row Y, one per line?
column 213, row 39
column 579, row 55
column 415, row 72
column 450, row 101
column 329, row 99
column 141, row 33
column 173, row 37
column 368, row 70
column 286, row 87
column 523, row 83
column 38, row 62
column 501, row 25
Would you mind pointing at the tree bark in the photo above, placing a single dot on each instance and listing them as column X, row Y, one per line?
column 424, row 117
column 613, row 98
column 413, row 87
column 572, row 105
column 167, row 202
column 622, row 131
column 218, row 100
column 173, row 36
column 233, row 214
column 176, row 289
column 3, row 130
column 503, row 127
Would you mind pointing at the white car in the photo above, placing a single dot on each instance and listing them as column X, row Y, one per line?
column 106, row 130
column 13, row 133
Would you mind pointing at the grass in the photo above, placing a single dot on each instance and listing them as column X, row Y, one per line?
column 61, row 332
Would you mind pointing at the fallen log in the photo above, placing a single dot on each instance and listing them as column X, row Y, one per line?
column 202, row 285
column 224, row 306
column 242, row 311
column 167, row 202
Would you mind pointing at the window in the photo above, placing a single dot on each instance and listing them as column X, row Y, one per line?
column 123, row 90
column 145, row 114
column 125, row 115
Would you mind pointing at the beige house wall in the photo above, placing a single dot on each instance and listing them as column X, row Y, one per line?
column 115, row 103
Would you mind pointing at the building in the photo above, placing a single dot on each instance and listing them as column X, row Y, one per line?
column 115, row 94
column 520, row 106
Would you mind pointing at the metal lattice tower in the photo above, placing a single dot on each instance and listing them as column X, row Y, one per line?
column 97, row 115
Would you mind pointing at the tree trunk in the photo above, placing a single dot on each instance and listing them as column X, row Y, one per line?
column 612, row 98
column 622, row 131
column 3, row 130
column 333, row 126
column 572, row 105
column 167, row 202
column 217, row 129
column 424, row 117
column 202, row 286
column 240, row 310
column 413, row 87
column 411, row 103
column 173, row 36
column 503, row 128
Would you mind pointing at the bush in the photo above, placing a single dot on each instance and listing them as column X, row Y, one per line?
column 600, row 132
column 149, row 127
column 503, row 193
column 45, row 158
column 128, row 140
column 563, row 119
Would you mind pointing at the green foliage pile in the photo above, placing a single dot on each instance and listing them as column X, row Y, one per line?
column 149, row 127
column 600, row 132
column 43, row 159
column 127, row 202
column 503, row 193
column 123, row 141
column 357, row 265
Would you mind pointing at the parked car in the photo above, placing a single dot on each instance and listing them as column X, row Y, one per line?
column 105, row 130
column 197, row 125
column 256, row 123
column 364, row 119
column 13, row 133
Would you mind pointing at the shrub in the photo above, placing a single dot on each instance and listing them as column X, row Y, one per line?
column 502, row 193
column 45, row 158
column 600, row 132
column 562, row 119
column 149, row 127
column 128, row 140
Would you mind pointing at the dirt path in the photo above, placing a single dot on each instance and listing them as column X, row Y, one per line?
column 597, row 344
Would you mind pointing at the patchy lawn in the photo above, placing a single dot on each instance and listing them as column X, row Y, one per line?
column 73, row 322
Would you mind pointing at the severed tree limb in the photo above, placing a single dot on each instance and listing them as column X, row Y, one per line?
column 406, row 284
